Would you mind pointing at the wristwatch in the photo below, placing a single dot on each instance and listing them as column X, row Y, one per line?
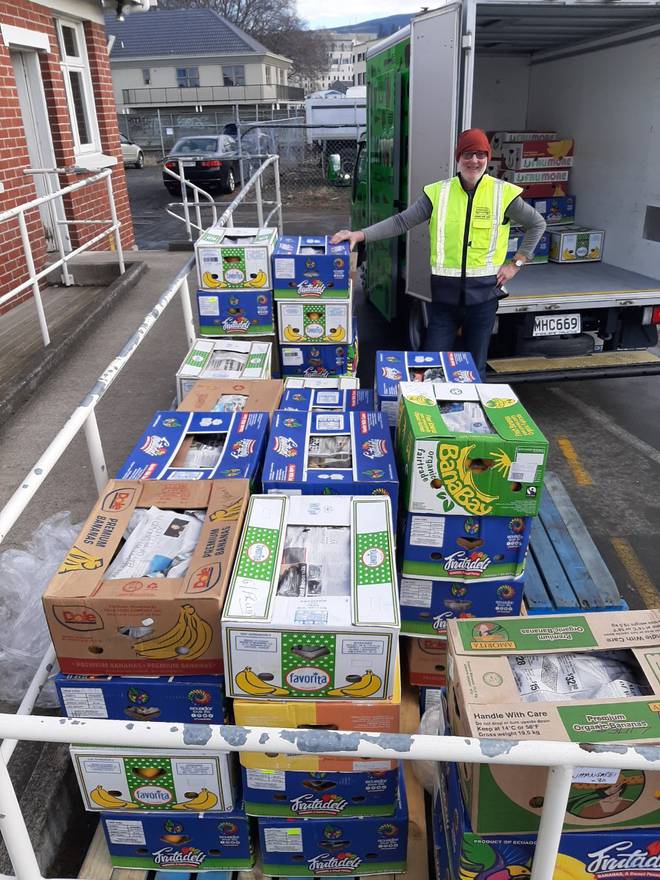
column 519, row 263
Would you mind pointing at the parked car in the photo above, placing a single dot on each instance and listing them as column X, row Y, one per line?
column 210, row 162
column 132, row 153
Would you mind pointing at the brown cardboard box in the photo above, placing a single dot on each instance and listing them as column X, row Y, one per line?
column 146, row 626
column 484, row 701
column 257, row 395
column 427, row 661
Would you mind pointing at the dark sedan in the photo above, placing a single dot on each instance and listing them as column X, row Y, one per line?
column 210, row 162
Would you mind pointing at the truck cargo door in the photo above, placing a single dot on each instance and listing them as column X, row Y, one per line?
column 435, row 52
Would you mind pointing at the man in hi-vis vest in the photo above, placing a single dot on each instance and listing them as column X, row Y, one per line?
column 470, row 216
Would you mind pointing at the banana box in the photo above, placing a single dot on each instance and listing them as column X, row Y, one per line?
column 229, row 257
column 355, row 846
column 198, row 446
column 468, row 450
column 312, row 610
column 498, row 139
column 180, row 842
column 555, row 211
column 197, row 700
column 542, row 153
column 464, row 549
column 224, row 395
column 322, row 361
column 309, row 267
column 373, row 716
column 338, row 453
column 314, row 322
column 320, row 795
column 144, row 623
column 235, row 359
column 235, row 312
column 426, row 662
column 543, row 177
column 541, row 250
column 581, row 678
column 146, row 780
column 576, row 244
column 332, row 395
column 394, row 367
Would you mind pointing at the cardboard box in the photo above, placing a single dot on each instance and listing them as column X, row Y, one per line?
column 235, row 258
column 495, row 167
column 394, row 367
column 445, row 471
column 464, row 549
column 540, row 251
column 144, row 625
column 499, row 138
column 542, row 153
column 312, row 610
column 167, row 449
column 426, row 661
column 543, row 190
column 426, row 604
column 180, row 842
column 546, row 176
column 223, row 359
column 321, row 361
column 556, row 210
column 235, row 312
column 485, row 702
column 339, row 453
column 319, row 795
column 197, row 700
column 316, row 322
column 356, row 846
column 141, row 780
column 333, row 397
column 309, row 266
column 225, row 395
column 576, row 244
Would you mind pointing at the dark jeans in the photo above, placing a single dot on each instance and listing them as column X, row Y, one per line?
column 477, row 322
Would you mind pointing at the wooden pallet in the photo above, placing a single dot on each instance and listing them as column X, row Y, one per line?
column 564, row 571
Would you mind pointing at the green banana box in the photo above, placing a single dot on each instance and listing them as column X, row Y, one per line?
column 312, row 610
column 581, row 678
column 313, row 322
column 233, row 258
column 468, row 450
column 146, row 780
column 237, row 359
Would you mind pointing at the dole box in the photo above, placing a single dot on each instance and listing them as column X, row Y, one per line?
column 180, row 842
column 337, row 394
column 580, row 678
column 198, row 446
column 112, row 607
column 312, row 610
column 235, row 312
column 315, row 322
column 341, row 453
column 310, row 267
column 468, row 450
column 228, row 257
column 236, row 359
column 228, row 396
column 394, row 367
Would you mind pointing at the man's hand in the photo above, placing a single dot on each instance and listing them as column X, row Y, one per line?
column 506, row 273
column 346, row 235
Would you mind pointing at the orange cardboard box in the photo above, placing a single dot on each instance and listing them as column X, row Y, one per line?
column 146, row 625
column 426, row 661
column 257, row 395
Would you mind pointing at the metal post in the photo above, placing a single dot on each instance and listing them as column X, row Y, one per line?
column 188, row 321
column 67, row 277
column 184, row 199
column 557, row 790
column 240, row 146
column 95, row 449
column 31, row 696
column 260, row 207
column 278, row 197
column 116, row 233
column 14, row 832
column 35, row 284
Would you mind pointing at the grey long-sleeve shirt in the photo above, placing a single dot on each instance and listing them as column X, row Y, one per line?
column 519, row 213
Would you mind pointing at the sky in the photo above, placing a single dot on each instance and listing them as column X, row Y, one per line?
column 351, row 11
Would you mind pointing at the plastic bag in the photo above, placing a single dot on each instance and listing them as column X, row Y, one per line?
column 432, row 723
column 24, row 575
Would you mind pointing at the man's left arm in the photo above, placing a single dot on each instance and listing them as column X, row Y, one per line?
column 521, row 214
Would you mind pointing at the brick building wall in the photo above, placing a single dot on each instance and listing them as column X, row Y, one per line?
column 90, row 203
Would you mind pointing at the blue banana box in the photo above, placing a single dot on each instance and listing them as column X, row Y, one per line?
column 319, row 795
column 235, row 312
column 320, row 361
column 309, row 267
column 394, row 367
column 352, row 846
column 197, row 699
column 179, row 842
column 555, row 210
column 331, row 454
column 426, row 605
column 198, row 446
column 324, row 400
column 463, row 548
column 541, row 251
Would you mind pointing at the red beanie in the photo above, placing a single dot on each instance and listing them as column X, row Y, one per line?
column 472, row 139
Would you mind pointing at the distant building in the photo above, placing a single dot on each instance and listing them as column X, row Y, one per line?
column 359, row 61
column 340, row 61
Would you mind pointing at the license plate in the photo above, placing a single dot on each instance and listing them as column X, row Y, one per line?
column 189, row 164
column 555, row 325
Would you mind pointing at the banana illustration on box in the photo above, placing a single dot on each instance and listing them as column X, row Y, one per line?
column 568, row 868
column 337, row 334
column 368, row 685
column 79, row 560
column 107, row 801
column 188, row 639
column 291, row 334
column 212, row 281
column 259, row 280
column 203, row 801
column 249, row 682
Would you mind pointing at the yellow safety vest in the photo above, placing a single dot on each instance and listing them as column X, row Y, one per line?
column 488, row 235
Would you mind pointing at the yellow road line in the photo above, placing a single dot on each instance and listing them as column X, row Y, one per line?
column 580, row 473
column 637, row 573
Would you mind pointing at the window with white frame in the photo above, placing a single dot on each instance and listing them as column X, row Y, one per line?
column 187, row 77
column 268, row 75
column 233, row 75
column 78, row 85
